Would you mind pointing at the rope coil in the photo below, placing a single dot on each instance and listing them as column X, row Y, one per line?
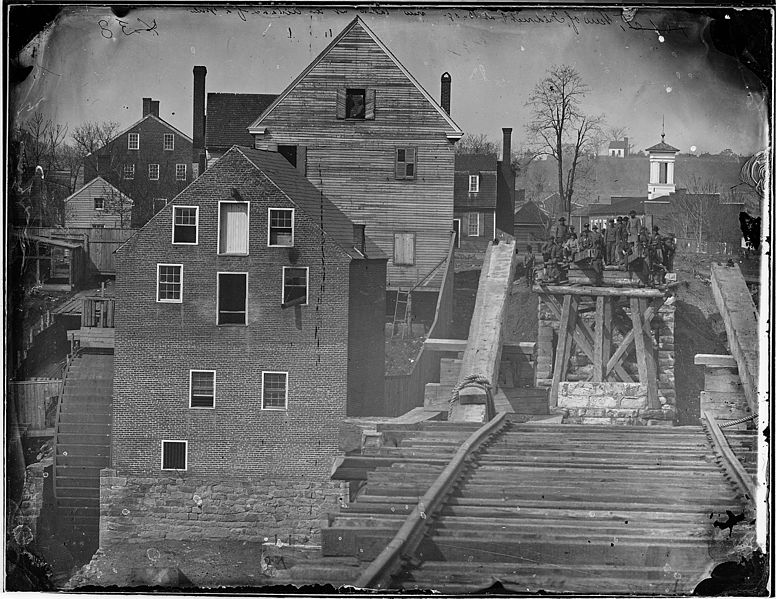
column 479, row 381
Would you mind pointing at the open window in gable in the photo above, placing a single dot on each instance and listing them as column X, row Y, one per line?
column 281, row 227
column 184, row 224
column 356, row 104
column 233, row 227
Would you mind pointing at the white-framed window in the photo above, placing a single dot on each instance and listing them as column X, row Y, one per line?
column 169, row 283
column 180, row 172
column 274, row 390
column 295, row 286
column 405, row 163
column 169, row 141
column 280, row 232
column 474, row 183
column 133, row 141
column 99, row 203
column 404, row 249
column 174, row 454
column 153, row 172
column 232, row 292
column 473, row 230
column 129, row 172
column 202, row 388
column 185, row 221
column 233, row 227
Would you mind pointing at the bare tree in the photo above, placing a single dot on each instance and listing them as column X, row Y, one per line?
column 558, row 126
column 476, row 144
column 118, row 204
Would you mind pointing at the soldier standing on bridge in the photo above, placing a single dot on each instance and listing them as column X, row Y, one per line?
column 622, row 240
column 584, row 237
column 610, row 240
column 655, row 255
column 561, row 231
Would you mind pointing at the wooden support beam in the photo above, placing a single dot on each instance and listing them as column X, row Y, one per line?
column 649, row 353
column 598, row 332
column 606, row 338
column 715, row 361
column 596, row 291
column 564, row 339
column 645, row 376
column 622, row 351
column 456, row 345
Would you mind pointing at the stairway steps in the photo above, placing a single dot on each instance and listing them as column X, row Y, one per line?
column 74, row 428
column 65, row 492
column 86, row 451
column 77, row 418
column 69, row 481
column 79, row 461
column 78, row 472
column 67, row 439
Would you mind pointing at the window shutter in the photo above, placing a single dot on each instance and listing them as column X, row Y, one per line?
column 341, row 103
column 409, row 248
column 370, row 105
column 301, row 160
column 409, row 171
column 400, row 164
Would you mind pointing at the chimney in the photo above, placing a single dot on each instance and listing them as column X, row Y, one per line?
column 146, row 107
column 506, row 146
column 155, row 108
column 445, row 95
column 359, row 238
column 626, row 152
column 198, row 128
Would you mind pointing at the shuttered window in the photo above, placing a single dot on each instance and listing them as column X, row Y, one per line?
column 233, row 298
column 233, row 228
column 295, row 286
column 184, row 223
column 281, row 227
column 474, row 224
column 663, row 172
column 174, row 455
column 169, row 283
column 274, row 390
column 405, row 163
column 404, row 249
column 356, row 103
column 202, row 388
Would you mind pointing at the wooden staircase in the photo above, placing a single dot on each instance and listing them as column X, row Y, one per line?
column 82, row 441
column 543, row 507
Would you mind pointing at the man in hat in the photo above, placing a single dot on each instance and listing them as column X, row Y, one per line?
column 622, row 239
column 561, row 231
column 669, row 249
column 655, row 255
column 596, row 244
column 610, row 241
column 584, row 237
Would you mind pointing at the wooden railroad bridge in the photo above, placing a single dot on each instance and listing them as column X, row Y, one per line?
column 457, row 497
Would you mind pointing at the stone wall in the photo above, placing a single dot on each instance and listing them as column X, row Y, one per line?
column 143, row 509
column 584, row 402
column 32, row 495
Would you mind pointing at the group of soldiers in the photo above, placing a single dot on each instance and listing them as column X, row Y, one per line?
column 622, row 241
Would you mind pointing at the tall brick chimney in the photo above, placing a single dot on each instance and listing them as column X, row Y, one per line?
column 506, row 146
column 146, row 107
column 198, row 128
column 155, row 108
column 445, row 94
column 627, row 148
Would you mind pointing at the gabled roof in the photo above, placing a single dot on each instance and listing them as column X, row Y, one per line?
column 136, row 123
column 619, row 206
column 475, row 162
column 97, row 179
column 228, row 117
column 455, row 133
column 618, row 145
column 530, row 214
column 308, row 198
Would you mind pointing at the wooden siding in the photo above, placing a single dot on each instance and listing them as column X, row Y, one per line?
column 31, row 399
column 98, row 243
column 80, row 211
column 352, row 161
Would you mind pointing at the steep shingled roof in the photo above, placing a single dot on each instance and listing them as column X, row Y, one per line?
column 308, row 198
column 228, row 117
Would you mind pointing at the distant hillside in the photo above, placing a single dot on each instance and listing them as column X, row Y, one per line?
column 629, row 176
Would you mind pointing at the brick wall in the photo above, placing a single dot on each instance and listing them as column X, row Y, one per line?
column 157, row 344
column 255, row 509
column 109, row 161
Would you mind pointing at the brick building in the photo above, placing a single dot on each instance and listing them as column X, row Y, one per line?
column 251, row 326
column 150, row 161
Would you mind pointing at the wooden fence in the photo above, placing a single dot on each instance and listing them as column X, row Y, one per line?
column 693, row 246
column 403, row 392
column 31, row 399
column 99, row 244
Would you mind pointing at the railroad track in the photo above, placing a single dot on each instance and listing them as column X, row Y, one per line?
column 562, row 508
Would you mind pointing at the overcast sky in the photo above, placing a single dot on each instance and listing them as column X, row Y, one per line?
column 87, row 68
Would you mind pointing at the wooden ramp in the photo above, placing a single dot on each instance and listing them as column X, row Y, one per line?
column 483, row 351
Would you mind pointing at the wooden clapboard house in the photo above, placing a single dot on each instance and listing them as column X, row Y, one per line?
column 362, row 129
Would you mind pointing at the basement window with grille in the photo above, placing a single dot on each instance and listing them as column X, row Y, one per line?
column 202, row 388
column 174, row 455
column 274, row 390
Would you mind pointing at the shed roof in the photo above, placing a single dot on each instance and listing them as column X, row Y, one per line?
column 475, row 162
column 228, row 117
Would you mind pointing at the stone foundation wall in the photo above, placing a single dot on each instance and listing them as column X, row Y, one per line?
column 609, row 403
column 32, row 495
column 599, row 403
column 257, row 509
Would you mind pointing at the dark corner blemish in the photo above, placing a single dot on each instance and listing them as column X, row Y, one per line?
column 120, row 10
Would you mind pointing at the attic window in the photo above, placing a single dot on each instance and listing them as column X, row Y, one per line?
column 281, row 227
column 133, row 141
column 356, row 104
column 99, row 203
column 474, row 183
column 169, row 141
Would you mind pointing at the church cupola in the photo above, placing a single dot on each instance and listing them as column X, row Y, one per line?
column 661, row 169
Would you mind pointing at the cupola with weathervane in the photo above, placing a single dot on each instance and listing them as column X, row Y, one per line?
column 661, row 168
